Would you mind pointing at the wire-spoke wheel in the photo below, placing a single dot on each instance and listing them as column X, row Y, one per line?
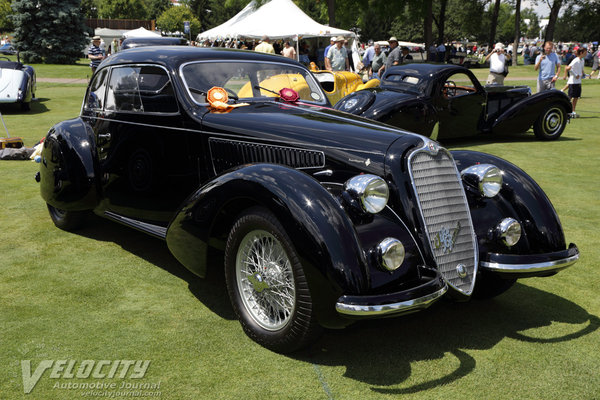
column 551, row 123
column 266, row 283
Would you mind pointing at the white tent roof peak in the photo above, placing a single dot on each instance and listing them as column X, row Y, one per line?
column 277, row 19
column 140, row 32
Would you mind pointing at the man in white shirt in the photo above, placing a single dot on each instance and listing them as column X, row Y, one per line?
column 575, row 71
column 497, row 60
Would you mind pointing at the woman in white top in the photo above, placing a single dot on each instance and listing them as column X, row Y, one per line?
column 497, row 60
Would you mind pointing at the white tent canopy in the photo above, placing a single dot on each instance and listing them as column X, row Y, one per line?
column 140, row 32
column 278, row 19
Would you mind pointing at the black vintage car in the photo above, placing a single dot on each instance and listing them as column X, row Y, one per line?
column 447, row 101
column 320, row 217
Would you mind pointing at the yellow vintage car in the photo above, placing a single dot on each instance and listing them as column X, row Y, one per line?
column 336, row 85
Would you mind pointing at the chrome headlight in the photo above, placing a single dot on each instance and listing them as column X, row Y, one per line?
column 486, row 178
column 390, row 254
column 509, row 230
column 370, row 190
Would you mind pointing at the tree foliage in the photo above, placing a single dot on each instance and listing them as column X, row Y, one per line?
column 51, row 31
column 5, row 16
column 123, row 9
column 172, row 20
column 579, row 23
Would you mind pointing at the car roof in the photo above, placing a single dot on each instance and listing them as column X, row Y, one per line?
column 174, row 56
column 424, row 70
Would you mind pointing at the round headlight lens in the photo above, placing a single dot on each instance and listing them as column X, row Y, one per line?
column 510, row 231
column 491, row 183
column 486, row 178
column 391, row 253
column 370, row 190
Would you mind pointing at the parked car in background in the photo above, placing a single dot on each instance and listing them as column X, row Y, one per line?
column 419, row 97
column 17, row 83
column 155, row 41
column 320, row 218
column 7, row 49
column 338, row 84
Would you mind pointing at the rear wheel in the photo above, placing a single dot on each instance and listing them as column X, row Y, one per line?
column 266, row 284
column 66, row 220
column 551, row 123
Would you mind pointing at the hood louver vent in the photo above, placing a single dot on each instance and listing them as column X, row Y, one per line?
column 227, row 154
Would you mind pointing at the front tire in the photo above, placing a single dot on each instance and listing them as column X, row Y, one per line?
column 266, row 284
column 66, row 220
column 551, row 123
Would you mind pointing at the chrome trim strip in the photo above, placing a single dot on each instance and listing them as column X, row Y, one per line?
column 154, row 230
column 432, row 147
column 528, row 268
column 392, row 308
column 221, row 134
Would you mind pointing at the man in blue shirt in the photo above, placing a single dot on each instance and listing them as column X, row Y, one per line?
column 369, row 53
column 331, row 44
column 548, row 64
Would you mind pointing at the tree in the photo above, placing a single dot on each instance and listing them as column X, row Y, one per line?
column 331, row 12
column 157, row 7
column 5, row 16
column 172, row 20
column 494, row 22
column 89, row 8
column 532, row 29
column 54, row 36
column 440, row 21
column 123, row 9
column 579, row 23
column 517, row 32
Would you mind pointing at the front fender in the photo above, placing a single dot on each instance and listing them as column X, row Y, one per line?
column 68, row 179
column 520, row 198
column 323, row 234
column 522, row 115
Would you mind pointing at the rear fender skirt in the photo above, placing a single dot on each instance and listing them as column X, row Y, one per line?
column 521, row 115
column 68, row 178
column 520, row 198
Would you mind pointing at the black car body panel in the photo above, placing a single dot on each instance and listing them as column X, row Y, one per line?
column 160, row 159
column 417, row 96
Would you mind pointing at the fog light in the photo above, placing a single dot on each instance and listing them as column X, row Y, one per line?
column 486, row 178
column 390, row 253
column 510, row 231
column 370, row 190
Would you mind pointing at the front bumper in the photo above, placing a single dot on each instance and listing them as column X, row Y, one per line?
column 522, row 266
column 403, row 302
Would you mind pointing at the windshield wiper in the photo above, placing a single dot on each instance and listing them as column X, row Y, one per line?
column 266, row 90
column 197, row 91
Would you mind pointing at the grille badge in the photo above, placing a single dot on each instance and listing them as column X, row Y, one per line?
column 446, row 238
column 461, row 269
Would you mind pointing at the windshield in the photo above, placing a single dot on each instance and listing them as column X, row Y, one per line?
column 250, row 80
column 405, row 82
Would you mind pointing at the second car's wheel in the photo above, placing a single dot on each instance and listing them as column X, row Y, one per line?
column 66, row 220
column 551, row 123
column 490, row 285
column 266, row 284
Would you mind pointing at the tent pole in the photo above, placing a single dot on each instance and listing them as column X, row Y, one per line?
column 297, row 48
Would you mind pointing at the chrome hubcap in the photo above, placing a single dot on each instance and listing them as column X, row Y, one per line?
column 553, row 120
column 265, row 280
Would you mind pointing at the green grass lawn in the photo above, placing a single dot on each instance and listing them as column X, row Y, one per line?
column 111, row 293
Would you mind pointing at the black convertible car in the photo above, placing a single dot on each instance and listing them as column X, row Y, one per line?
column 320, row 217
column 447, row 101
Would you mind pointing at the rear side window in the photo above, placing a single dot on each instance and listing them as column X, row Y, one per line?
column 97, row 91
column 141, row 89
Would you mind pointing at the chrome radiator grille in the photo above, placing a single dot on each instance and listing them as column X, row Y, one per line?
column 445, row 211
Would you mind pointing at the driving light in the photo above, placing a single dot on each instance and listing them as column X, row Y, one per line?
column 390, row 253
column 510, row 231
column 370, row 190
column 486, row 178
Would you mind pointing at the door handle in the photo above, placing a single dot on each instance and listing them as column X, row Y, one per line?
column 104, row 136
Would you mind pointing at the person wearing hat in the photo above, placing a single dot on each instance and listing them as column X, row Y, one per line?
column 406, row 54
column 498, row 60
column 395, row 56
column 95, row 53
column 337, row 56
column 265, row 46
column 368, row 56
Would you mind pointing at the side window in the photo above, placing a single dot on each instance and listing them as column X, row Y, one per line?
column 97, row 91
column 457, row 85
column 123, row 92
column 156, row 90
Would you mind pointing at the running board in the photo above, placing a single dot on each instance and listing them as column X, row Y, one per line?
column 151, row 229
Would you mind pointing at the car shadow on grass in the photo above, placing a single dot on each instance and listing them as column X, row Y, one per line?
column 37, row 107
column 381, row 352
column 211, row 291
